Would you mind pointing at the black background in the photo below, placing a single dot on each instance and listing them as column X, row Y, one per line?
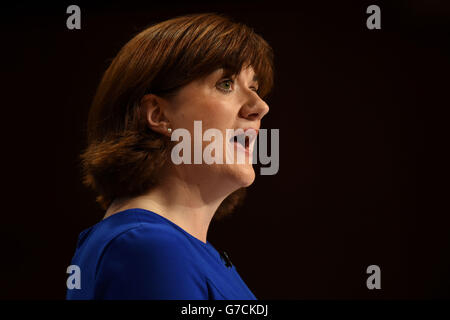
column 362, row 119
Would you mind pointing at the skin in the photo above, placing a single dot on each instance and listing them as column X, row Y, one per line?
column 190, row 194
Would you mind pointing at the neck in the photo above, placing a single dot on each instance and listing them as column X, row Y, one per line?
column 191, row 206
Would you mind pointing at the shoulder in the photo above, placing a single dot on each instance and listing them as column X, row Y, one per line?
column 149, row 261
column 148, row 241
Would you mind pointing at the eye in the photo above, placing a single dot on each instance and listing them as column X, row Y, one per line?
column 227, row 86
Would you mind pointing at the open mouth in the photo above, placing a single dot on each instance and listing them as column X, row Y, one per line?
column 244, row 140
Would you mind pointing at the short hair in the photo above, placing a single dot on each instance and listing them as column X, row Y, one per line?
column 123, row 155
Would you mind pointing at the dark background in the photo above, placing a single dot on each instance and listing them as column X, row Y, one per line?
column 362, row 119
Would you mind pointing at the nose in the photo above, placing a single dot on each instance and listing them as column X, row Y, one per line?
column 255, row 108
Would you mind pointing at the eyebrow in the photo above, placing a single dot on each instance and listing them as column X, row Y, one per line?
column 227, row 72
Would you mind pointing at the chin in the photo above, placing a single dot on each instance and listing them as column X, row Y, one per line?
column 244, row 174
column 241, row 171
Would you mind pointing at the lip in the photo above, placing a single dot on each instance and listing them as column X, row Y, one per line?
column 251, row 136
column 246, row 129
column 241, row 147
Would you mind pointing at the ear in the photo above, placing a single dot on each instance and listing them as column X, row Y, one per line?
column 154, row 109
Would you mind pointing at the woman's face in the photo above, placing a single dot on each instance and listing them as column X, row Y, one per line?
column 222, row 102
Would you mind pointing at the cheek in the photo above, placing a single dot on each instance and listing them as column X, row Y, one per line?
column 217, row 115
column 222, row 115
column 214, row 109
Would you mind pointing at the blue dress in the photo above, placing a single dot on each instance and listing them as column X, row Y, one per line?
column 138, row 254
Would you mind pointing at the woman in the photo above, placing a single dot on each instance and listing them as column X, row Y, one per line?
column 152, row 242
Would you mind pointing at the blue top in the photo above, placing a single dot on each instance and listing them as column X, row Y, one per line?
column 138, row 254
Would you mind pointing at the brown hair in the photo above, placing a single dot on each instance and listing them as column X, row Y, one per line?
column 124, row 155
